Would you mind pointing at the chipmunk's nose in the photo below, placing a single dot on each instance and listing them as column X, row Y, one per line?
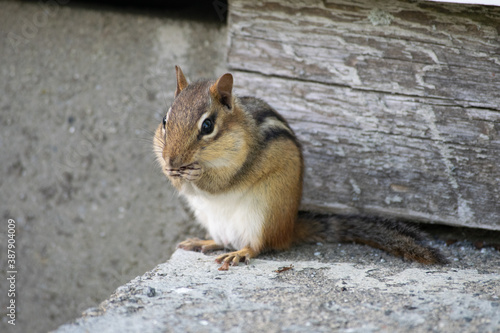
column 174, row 162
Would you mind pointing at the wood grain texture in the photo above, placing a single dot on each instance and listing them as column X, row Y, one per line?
column 397, row 103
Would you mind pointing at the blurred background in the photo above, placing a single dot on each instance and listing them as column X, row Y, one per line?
column 82, row 88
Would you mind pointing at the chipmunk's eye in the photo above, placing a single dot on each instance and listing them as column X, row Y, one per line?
column 164, row 122
column 207, row 126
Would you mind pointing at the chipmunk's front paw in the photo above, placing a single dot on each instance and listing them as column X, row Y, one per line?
column 190, row 172
column 199, row 245
column 234, row 258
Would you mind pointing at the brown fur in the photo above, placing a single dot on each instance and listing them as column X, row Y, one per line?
column 253, row 150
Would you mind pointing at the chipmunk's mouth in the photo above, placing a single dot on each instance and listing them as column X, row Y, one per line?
column 194, row 165
column 189, row 172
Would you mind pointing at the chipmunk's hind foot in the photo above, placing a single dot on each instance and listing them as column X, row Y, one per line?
column 234, row 258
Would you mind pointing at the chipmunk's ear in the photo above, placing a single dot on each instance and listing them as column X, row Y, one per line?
column 222, row 90
column 181, row 81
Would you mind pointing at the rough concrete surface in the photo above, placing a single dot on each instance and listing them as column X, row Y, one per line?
column 331, row 288
column 82, row 87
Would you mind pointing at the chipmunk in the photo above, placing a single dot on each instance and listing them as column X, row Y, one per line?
column 239, row 165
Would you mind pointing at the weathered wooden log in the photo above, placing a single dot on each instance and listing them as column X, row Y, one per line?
column 397, row 103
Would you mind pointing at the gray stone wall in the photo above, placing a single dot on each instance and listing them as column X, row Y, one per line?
column 82, row 89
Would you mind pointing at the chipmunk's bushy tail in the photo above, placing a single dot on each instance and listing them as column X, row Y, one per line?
column 397, row 238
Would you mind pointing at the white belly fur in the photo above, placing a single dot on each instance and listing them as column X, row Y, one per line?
column 233, row 219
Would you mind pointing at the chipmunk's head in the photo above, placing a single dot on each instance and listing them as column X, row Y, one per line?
column 201, row 130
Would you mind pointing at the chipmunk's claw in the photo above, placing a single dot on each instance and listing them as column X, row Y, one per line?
column 224, row 267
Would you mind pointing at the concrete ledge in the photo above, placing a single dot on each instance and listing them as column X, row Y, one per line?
column 189, row 294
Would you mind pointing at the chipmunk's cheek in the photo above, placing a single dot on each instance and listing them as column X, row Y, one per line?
column 215, row 158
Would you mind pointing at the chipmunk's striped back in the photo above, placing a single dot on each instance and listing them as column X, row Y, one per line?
column 271, row 124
